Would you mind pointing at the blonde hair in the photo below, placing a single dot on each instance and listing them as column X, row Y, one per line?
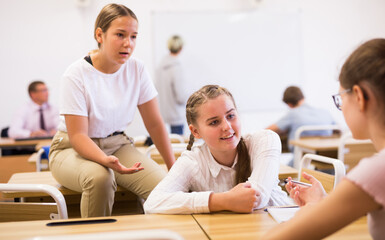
column 175, row 44
column 109, row 13
column 243, row 168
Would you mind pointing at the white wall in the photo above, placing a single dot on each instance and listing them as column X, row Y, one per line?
column 40, row 38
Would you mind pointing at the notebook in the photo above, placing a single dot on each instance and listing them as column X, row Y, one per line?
column 282, row 214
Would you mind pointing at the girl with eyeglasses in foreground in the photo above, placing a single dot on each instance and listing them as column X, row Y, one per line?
column 228, row 172
column 361, row 192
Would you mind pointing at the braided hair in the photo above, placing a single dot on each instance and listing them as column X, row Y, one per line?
column 243, row 168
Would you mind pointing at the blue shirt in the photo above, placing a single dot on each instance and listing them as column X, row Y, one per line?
column 305, row 115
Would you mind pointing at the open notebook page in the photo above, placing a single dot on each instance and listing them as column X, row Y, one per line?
column 282, row 214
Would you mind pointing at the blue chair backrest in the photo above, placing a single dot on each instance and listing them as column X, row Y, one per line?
column 45, row 153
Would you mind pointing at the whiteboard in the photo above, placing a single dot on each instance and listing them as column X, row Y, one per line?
column 255, row 55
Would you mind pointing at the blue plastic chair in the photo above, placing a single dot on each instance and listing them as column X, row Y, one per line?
column 41, row 155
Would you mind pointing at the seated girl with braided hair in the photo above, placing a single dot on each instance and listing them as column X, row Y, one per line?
column 229, row 171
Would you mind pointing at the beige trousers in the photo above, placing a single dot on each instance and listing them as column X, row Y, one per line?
column 96, row 182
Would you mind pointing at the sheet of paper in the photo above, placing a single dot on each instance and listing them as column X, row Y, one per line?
column 282, row 214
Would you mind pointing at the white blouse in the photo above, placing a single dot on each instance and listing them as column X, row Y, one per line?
column 195, row 175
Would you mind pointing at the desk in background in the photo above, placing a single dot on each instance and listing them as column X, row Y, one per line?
column 9, row 143
column 14, row 164
column 315, row 144
column 354, row 150
column 17, row 163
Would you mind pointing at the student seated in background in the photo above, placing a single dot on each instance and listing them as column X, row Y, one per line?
column 37, row 118
column 300, row 114
column 229, row 171
column 362, row 101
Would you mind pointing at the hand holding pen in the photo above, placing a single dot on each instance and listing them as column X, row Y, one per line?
column 303, row 193
column 294, row 182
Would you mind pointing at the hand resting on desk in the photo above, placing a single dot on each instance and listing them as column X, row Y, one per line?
column 303, row 195
column 242, row 198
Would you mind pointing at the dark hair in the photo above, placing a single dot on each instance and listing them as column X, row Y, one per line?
column 32, row 86
column 367, row 65
column 243, row 168
column 292, row 95
column 109, row 13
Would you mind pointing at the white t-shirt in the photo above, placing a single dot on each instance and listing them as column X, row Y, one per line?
column 108, row 100
column 196, row 174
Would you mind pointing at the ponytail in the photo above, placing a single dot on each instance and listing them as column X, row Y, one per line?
column 243, row 168
column 190, row 142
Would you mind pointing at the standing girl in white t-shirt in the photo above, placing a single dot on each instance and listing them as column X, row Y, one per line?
column 100, row 93
column 361, row 98
column 228, row 172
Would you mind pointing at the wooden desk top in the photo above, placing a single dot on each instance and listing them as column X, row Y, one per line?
column 12, row 164
column 9, row 142
column 325, row 144
column 253, row 226
column 317, row 144
column 235, row 226
column 287, row 171
column 184, row 225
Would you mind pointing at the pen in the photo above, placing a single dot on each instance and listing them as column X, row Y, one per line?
column 80, row 222
column 298, row 182
column 286, row 206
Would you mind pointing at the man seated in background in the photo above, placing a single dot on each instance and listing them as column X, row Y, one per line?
column 300, row 114
column 37, row 118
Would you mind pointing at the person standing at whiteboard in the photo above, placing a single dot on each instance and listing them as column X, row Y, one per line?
column 170, row 84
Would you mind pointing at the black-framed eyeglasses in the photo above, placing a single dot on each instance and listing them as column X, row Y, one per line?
column 337, row 98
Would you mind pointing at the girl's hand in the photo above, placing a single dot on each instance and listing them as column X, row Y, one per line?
column 303, row 195
column 113, row 163
column 242, row 198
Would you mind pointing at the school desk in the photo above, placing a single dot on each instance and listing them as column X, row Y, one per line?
column 253, row 226
column 315, row 144
column 9, row 142
column 329, row 147
column 17, row 163
column 14, row 164
column 6, row 143
column 185, row 225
